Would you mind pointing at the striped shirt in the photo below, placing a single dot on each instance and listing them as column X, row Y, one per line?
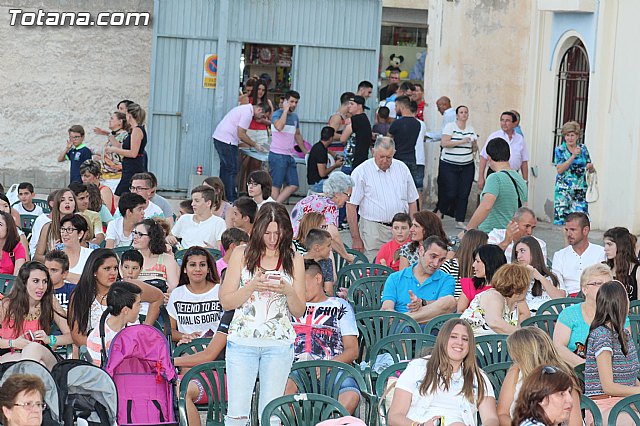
column 459, row 154
column 381, row 194
column 531, row 422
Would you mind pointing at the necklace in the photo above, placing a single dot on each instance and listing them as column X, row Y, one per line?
column 33, row 316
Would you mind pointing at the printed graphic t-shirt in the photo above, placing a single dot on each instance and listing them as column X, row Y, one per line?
column 195, row 312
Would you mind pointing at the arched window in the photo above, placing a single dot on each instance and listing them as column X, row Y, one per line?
column 573, row 89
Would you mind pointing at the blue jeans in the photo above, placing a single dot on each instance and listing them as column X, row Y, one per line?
column 283, row 170
column 347, row 385
column 228, row 167
column 244, row 363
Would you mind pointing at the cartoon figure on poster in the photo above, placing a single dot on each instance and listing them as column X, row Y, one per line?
column 394, row 65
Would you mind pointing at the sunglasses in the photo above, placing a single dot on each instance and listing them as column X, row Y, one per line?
column 547, row 369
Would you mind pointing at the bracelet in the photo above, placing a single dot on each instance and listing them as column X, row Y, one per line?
column 52, row 340
column 10, row 343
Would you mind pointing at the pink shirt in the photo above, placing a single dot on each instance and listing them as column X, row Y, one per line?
column 6, row 264
column 387, row 253
column 469, row 290
column 282, row 142
column 516, row 145
column 227, row 129
column 221, row 265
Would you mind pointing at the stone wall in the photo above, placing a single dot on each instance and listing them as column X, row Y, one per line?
column 53, row 77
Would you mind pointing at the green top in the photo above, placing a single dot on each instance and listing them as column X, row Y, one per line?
column 506, row 202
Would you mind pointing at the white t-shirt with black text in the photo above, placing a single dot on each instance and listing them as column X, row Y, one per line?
column 195, row 313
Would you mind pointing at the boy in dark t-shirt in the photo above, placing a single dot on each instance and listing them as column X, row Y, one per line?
column 76, row 152
column 317, row 169
column 57, row 262
column 356, row 147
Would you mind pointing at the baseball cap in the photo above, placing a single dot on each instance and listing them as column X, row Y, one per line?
column 359, row 100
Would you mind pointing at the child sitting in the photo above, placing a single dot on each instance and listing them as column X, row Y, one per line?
column 389, row 254
column 57, row 262
column 123, row 307
column 318, row 245
column 131, row 262
column 26, row 194
column 230, row 239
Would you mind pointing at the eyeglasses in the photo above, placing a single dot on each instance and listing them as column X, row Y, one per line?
column 547, row 369
column 32, row 406
column 347, row 194
column 76, row 137
column 596, row 283
column 138, row 188
column 139, row 234
column 67, row 230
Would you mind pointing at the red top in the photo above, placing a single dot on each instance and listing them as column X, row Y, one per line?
column 7, row 266
column 387, row 252
column 254, row 125
column 420, row 113
column 112, row 207
column 469, row 290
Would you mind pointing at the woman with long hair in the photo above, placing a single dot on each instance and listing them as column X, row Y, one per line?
column 259, row 186
column 64, row 203
column 424, row 225
column 611, row 368
column 546, row 398
column 447, row 384
column 6, row 207
column 544, row 283
column 132, row 151
column 309, row 221
column 89, row 299
column 111, row 163
column 221, row 208
column 572, row 326
column 27, row 314
column 499, row 309
column 194, row 307
column 90, row 171
column 486, row 261
column 461, row 265
column 74, row 228
column 12, row 253
column 530, row 347
column 619, row 249
column 265, row 284
column 149, row 240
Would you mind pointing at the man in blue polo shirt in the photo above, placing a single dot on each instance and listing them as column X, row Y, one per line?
column 422, row 291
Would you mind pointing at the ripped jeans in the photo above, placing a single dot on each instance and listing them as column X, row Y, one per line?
column 244, row 363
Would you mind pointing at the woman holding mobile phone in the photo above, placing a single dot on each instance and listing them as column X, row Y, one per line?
column 572, row 161
column 265, row 284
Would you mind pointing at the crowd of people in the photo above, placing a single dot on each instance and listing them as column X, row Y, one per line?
column 270, row 300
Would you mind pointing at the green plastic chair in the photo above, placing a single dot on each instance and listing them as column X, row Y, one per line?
column 629, row 405
column 6, row 282
column 434, row 326
column 403, row 346
column 381, row 387
column 325, row 377
column 120, row 250
column 491, row 349
column 634, row 321
column 196, row 345
column 555, row 306
column 303, row 409
column 587, row 403
column 217, row 254
column 341, row 262
column 351, row 273
column 26, row 223
column 215, row 388
column 579, row 370
column 546, row 323
column 375, row 325
column 42, row 203
column 634, row 307
column 497, row 373
column 365, row 294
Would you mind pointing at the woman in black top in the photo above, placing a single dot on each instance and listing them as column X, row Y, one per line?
column 619, row 250
column 132, row 151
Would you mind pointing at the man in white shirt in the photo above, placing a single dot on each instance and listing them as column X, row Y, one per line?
column 382, row 187
column 523, row 224
column 119, row 231
column 26, row 205
column 160, row 201
column 569, row 262
column 202, row 228
column 519, row 158
column 142, row 184
column 448, row 116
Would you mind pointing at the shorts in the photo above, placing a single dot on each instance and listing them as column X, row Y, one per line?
column 417, row 173
column 348, row 385
column 283, row 170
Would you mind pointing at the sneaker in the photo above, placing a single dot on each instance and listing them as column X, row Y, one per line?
column 343, row 227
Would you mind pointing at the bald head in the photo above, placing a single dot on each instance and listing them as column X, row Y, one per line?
column 443, row 104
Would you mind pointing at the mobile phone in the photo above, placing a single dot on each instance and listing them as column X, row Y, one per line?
column 29, row 336
column 274, row 276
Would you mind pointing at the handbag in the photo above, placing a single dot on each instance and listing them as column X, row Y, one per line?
column 592, row 187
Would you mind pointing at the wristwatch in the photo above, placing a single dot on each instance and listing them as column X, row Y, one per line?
column 424, row 302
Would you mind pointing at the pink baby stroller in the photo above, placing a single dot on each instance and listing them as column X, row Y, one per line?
column 140, row 364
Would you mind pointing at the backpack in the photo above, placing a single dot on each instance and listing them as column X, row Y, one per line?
column 87, row 392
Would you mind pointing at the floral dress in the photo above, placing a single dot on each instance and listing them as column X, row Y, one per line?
column 475, row 316
column 318, row 203
column 571, row 186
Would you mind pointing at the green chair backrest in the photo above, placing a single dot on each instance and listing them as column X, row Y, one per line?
column 434, row 326
column 630, row 406
column 587, row 403
column 497, row 373
column 546, row 323
column 120, row 250
column 42, row 203
column 394, row 370
column 303, row 409
column 217, row 254
column 212, row 376
column 579, row 370
column 351, row 273
column 6, row 282
column 26, row 223
column 634, row 321
column 491, row 349
column 342, row 262
column 555, row 306
column 365, row 294
column 402, row 346
column 634, row 307
column 196, row 345
column 375, row 325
